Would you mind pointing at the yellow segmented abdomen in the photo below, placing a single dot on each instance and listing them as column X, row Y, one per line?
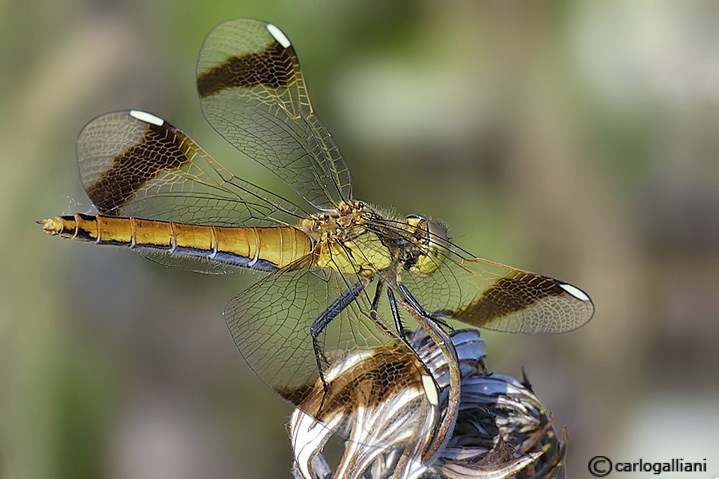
column 267, row 248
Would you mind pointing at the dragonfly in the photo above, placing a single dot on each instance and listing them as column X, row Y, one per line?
column 340, row 276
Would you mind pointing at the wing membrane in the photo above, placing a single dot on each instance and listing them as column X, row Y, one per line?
column 135, row 164
column 253, row 93
column 490, row 295
column 270, row 323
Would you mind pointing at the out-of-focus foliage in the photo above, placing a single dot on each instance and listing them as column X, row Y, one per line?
column 576, row 139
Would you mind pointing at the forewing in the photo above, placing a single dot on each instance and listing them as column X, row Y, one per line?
column 135, row 164
column 252, row 92
column 494, row 296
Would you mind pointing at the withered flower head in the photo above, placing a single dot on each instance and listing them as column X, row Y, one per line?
column 498, row 428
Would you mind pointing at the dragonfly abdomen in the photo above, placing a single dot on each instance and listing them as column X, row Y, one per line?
column 268, row 248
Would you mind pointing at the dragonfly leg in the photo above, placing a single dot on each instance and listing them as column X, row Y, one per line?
column 319, row 324
column 393, row 308
column 409, row 299
column 395, row 314
column 376, row 299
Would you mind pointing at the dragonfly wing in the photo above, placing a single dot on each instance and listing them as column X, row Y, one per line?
column 494, row 296
column 270, row 323
column 252, row 92
column 135, row 164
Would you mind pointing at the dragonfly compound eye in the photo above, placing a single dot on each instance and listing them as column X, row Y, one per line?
column 429, row 247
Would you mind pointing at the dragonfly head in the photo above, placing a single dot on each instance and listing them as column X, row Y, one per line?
column 429, row 246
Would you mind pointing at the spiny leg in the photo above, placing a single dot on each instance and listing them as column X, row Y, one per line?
column 376, row 300
column 410, row 300
column 395, row 315
column 319, row 324
column 393, row 309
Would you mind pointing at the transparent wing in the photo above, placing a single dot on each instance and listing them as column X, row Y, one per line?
column 490, row 295
column 270, row 323
column 135, row 164
column 252, row 92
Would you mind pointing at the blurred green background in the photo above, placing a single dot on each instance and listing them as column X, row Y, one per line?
column 576, row 139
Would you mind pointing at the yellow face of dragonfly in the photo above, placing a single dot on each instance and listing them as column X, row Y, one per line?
column 337, row 269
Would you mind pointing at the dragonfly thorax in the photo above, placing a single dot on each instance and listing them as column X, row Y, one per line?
column 340, row 223
column 345, row 243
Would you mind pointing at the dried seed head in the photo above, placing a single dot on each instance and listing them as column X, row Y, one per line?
column 501, row 428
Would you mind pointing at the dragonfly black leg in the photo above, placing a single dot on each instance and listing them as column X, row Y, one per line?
column 393, row 309
column 407, row 296
column 376, row 299
column 319, row 324
column 395, row 314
